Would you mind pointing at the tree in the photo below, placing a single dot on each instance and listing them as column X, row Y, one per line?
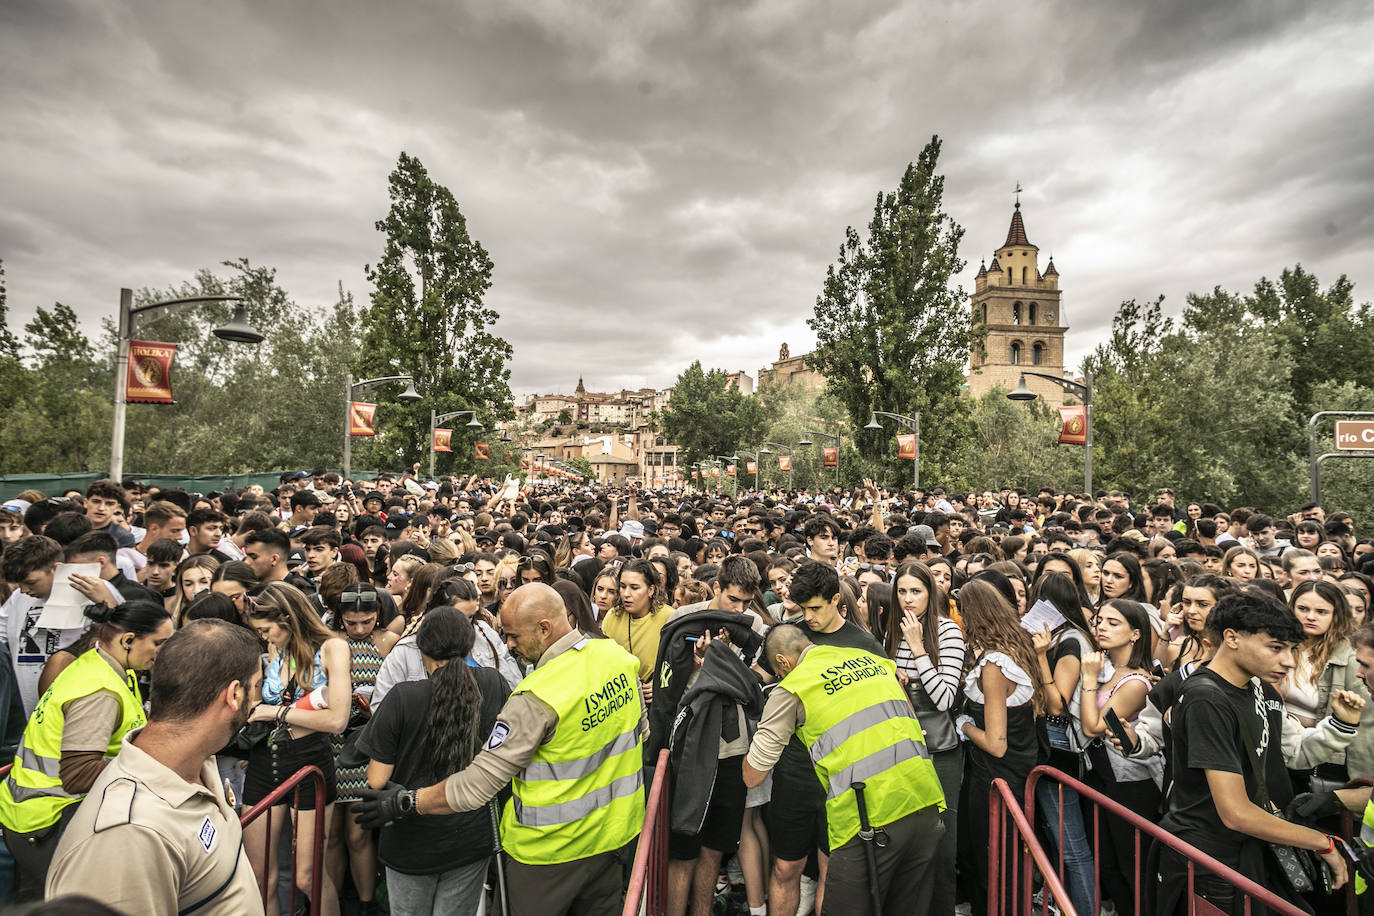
column 427, row 318
column 582, row 466
column 892, row 333
column 706, row 415
column 565, row 416
column 1016, row 444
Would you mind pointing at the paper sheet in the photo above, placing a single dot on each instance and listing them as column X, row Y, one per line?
column 65, row 607
column 1042, row 613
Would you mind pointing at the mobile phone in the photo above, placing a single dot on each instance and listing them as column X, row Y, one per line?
column 1114, row 726
column 1158, row 670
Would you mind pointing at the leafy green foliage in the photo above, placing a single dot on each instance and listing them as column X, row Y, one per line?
column 1012, row 443
column 427, row 319
column 892, row 333
column 707, row 416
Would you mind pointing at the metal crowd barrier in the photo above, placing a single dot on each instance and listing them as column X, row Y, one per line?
column 648, row 890
column 1250, row 893
column 264, row 809
column 1015, row 857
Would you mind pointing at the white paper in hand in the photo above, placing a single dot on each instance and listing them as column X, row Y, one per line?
column 1041, row 614
column 65, row 607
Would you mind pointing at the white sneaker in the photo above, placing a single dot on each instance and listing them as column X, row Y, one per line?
column 963, row 909
column 808, row 896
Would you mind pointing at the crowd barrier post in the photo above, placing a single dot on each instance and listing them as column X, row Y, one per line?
column 1014, row 857
column 264, row 809
column 648, row 890
column 1252, row 892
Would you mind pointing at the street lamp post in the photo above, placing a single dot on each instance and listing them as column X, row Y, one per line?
column 764, row 450
column 1084, row 392
column 409, row 396
column 758, row 461
column 725, row 461
column 238, row 330
column 436, row 419
column 835, row 438
column 911, row 423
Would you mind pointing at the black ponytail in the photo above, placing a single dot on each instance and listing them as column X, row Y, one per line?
column 446, row 635
column 139, row 617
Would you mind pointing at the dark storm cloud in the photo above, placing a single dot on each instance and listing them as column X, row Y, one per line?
column 658, row 181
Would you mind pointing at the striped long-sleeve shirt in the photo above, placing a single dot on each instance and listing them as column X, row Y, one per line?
column 940, row 677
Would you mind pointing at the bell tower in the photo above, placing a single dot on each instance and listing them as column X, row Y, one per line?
column 1020, row 307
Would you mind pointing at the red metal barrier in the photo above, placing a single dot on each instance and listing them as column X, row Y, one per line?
column 1015, row 856
column 264, row 809
column 648, row 891
column 1197, row 906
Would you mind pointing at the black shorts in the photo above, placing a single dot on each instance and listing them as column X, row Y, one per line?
column 270, row 766
column 724, row 817
column 795, row 818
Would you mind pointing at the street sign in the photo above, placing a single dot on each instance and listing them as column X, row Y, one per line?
column 1354, row 435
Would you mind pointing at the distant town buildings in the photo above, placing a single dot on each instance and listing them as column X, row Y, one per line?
column 787, row 369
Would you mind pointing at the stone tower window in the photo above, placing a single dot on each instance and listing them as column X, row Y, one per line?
column 1023, row 276
column 1038, row 354
column 1030, row 311
column 1016, row 353
column 1016, row 313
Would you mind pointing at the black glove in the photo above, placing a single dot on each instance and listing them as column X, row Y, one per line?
column 380, row 807
column 1313, row 806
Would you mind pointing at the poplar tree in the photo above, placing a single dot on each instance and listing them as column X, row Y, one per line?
column 892, row 333
column 428, row 319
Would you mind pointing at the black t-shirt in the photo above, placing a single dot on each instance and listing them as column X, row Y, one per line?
column 396, row 735
column 794, row 775
column 1218, row 726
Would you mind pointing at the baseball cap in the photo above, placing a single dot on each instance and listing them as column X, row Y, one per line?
column 926, row 534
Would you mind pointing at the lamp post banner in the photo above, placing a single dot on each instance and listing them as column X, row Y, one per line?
column 832, row 457
column 1073, row 429
column 730, row 470
column 149, row 379
column 443, row 440
column 752, row 467
column 360, row 419
column 482, row 451
column 906, row 447
column 784, row 462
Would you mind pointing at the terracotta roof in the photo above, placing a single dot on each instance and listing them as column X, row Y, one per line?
column 1049, row 270
column 1016, row 234
column 982, row 270
column 994, row 267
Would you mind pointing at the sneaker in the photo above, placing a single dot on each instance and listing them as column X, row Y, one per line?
column 808, row 896
column 963, row 909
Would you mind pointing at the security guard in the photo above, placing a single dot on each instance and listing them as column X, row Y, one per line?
column 569, row 741
column 77, row 726
column 883, row 798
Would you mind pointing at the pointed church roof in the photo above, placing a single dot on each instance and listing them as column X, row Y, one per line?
column 995, row 266
column 1049, row 270
column 1016, row 233
column 982, row 270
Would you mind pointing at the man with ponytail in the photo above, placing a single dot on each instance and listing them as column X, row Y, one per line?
column 569, row 742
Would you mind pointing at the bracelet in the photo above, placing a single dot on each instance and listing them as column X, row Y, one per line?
column 281, row 716
column 1330, row 846
column 1085, row 688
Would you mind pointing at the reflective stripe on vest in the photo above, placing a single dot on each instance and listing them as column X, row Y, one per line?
column 877, row 762
column 553, row 815
column 847, row 728
column 48, row 766
column 32, row 797
column 586, row 766
column 859, row 727
column 24, row 793
column 581, row 794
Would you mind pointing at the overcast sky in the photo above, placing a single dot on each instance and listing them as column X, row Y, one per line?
column 661, row 181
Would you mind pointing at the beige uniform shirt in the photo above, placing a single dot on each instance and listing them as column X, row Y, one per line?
column 146, row 841
column 525, row 723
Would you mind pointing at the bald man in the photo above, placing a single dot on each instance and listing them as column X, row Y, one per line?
column 569, row 741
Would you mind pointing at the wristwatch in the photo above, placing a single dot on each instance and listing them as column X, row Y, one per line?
column 406, row 803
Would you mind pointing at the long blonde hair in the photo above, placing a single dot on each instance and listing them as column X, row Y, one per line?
column 287, row 607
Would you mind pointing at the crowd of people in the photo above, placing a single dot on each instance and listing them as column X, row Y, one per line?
column 485, row 675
